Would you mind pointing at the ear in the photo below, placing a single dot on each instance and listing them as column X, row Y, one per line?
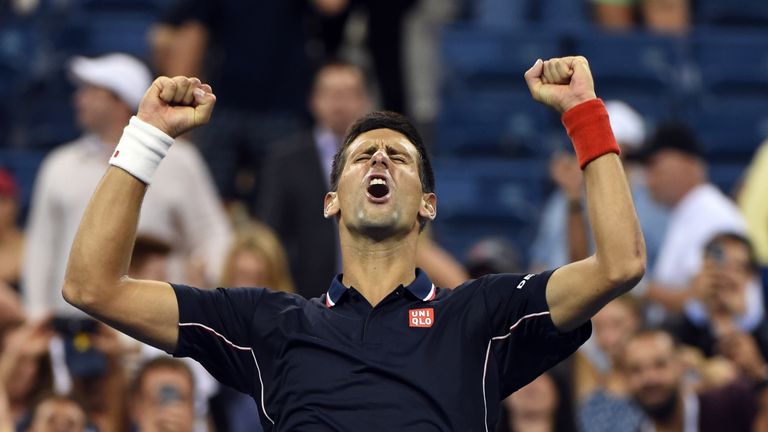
column 428, row 208
column 331, row 205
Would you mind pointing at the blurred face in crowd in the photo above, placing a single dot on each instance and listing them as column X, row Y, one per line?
column 653, row 373
column 165, row 402
column 537, row 399
column 58, row 415
column 339, row 97
column 8, row 211
column 249, row 269
column 726, row 273
column 671, row 174
column 379, row 191
column 97, row 107
column 614, row 324
column 153, row 267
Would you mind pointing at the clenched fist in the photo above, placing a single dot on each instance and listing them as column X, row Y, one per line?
column 561, row 83
column 177, row 105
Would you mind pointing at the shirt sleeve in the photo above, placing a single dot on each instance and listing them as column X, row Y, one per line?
column 524, row 341
column 215, row 330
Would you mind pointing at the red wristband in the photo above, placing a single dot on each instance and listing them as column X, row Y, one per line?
column 590, row 132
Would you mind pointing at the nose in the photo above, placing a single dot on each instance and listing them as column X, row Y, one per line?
column 380, row 158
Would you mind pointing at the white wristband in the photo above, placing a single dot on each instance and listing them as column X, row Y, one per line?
column 140, row 150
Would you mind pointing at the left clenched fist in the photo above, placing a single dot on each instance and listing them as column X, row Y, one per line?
column 561, row 83
column 177, row 105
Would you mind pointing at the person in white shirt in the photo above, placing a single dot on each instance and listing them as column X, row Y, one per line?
column 185, row 211
column 677, row 179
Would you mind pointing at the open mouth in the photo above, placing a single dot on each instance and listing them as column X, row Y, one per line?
column 378, row 189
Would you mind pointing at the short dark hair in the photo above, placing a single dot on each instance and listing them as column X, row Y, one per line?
column 712, row 247
column 385, row 120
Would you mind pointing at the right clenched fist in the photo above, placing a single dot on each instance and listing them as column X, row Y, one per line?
column 177, row 105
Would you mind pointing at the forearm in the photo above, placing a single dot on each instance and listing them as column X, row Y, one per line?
column 578, row 238
column 620, row 248
column 102, row 247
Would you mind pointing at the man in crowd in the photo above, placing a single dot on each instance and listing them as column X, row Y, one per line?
column 655, row 379
column 58, row 414
column 162, row 397
column 186, row 212
column 677, row 179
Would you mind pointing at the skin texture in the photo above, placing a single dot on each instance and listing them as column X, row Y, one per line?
column 378, row 237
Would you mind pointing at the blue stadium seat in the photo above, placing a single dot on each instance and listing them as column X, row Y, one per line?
column 730, row 128
column 493, row 60
column 631, row 62
column 492, row 123
column 559, row 14
column 732, row 12
column 482, row 197
column 732, row 61
column 111, row 32
column 726, row 176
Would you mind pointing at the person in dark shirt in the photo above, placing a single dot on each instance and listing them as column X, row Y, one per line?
column 383, row 348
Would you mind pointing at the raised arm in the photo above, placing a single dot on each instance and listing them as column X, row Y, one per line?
column 95, row 280
column 578, row 290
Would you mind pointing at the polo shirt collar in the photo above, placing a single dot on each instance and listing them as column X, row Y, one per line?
column 421, row 287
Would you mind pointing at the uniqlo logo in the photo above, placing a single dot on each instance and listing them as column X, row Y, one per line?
column 424, row 317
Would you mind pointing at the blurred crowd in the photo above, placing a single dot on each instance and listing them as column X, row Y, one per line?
column 239, row 204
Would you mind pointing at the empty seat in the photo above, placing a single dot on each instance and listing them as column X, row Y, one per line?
column 732, row 12
column 478, row 198
column 639, row 62
column 730, row 128
column 492, row 123
column 732, row 61
column 488, row 59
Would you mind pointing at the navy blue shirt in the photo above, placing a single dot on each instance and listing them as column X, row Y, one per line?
column 424, row 358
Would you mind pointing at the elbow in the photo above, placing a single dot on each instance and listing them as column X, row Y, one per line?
column 80, row 295
column 625, row 276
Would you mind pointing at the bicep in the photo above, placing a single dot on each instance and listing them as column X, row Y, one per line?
column 145, row 310
column 576, row 291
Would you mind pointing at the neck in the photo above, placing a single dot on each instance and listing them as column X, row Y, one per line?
column 375, row 268
column 675, row 422
column 533, row 423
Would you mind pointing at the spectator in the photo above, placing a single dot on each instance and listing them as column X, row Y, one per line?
column 677, row 179
column 257, row 259
column 670, row 17
column 492, row 255
column 261, row 96
column 614, row 14
column 162, row 397
column 599, row 385
column 11, row 238
column 183, row 209
column 297, row 176
column 149, row 259
column 754, row 204
column 25, row 371
column 539, row 406
column 58, row 414
column 654, row 376
column 726, row 297
column 385, row 20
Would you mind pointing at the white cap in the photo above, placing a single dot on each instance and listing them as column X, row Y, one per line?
column 124, row 75
column 628, row 126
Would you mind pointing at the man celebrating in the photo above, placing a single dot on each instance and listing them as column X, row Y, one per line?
column 383, row 348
